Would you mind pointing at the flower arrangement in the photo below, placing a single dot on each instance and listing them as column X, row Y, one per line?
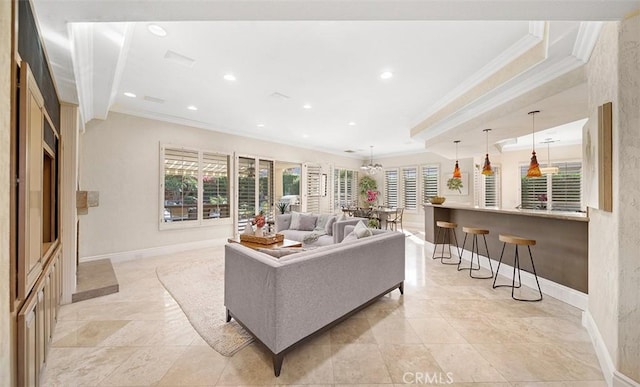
column 259, row 220
column 372, row 197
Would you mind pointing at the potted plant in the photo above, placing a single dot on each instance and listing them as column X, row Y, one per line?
column 282, row 207
column 367, row 183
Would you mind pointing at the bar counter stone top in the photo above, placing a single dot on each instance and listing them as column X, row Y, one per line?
column 564, row 215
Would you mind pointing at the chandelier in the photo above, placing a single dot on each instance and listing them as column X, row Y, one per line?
column 371, row 168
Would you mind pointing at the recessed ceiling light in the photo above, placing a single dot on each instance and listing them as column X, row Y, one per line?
column 192, row 108
column 129, row 94
column 157, row 30
column 229, row 77
column 306, row 106
column 351, row 123
column 305, row 136
column 386, row 75
column 260, row 125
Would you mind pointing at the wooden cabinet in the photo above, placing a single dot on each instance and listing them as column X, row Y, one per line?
column 36, row 322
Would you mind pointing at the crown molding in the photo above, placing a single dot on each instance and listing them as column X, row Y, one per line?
column 586, row 40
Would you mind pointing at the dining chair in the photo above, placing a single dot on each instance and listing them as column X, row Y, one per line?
column 397, row 220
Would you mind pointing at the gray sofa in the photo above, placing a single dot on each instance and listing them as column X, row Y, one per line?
column 334, row 234
column 284, row 301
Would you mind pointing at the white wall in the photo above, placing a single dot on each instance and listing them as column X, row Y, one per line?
column 119, row 157
column 6, row 348
column 512, row 160
column 613, row 74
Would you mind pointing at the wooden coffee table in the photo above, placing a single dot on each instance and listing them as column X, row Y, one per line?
column 255, row 246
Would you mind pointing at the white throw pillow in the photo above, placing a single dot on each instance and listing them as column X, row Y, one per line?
column 362, row 231
column 350, row 238
column 295, row 220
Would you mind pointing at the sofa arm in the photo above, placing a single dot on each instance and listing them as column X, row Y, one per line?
column 249, row 290
column 338, row 228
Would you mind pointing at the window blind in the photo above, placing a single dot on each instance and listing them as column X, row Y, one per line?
column 533, row 193
column 314, row 185
column 265, row 188
column 391, row 187
column 215, row 185
column 566, row 187
column 430, row 178
column 246, row 191
column 344, row 188
column 410, row 188
column 492, row 188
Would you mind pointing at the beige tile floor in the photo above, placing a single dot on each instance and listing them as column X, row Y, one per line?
column 447, row 328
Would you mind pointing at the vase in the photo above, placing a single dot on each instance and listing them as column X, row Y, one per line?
column 259, row 232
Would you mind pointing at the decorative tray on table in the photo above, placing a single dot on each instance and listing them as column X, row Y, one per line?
column 263, row 240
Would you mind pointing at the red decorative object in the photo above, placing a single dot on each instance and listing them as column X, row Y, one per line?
column 259, row 220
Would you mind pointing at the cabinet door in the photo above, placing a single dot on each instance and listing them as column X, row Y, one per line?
column 31, row 120
column 41, row 341
column 27, row 347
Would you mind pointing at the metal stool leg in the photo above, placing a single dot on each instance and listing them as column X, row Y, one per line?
column 498, row 269
column 477, row 253
column 435, row 245
column 488, row 257
column 442, row 257
column 464, row 242
column 536, row 277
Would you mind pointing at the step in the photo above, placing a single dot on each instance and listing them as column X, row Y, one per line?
column 95, row 279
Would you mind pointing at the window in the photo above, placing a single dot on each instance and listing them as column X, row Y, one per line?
column 410, row 188
column 430, row 178
column 566, row 194
column 345, row 188
column 561, row 191
column 391, row 187
column 195, row 186
column 255, row 189
column 492, row 188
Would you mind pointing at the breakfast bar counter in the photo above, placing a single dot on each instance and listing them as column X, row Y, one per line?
column 560, row 254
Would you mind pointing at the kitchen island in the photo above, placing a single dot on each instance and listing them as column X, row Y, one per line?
column 561, row 254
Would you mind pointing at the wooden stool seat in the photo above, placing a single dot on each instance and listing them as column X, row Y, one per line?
column 475, row 250
column 443, row 224
column 515, row 240
column 474, row 230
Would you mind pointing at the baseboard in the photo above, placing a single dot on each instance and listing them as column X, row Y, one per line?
column 611, row 375
column 155, row 251
column 563, row 293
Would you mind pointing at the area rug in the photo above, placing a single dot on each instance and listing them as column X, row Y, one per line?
column 198, row 287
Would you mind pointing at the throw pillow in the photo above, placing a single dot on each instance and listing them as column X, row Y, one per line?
column 295, row 220
column 328, row 228
column 322, row 222
column 307, row 222
column 362, row 231
column 281, row 252
column 350, row 238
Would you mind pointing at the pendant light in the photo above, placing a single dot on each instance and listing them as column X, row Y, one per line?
column 534, row 167
column 486, row 168
column 456, row 169
column 549, row 170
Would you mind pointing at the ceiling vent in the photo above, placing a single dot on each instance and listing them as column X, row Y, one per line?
column 349, row 151
column 179, row 58
column 278, row 95
column 153, row 99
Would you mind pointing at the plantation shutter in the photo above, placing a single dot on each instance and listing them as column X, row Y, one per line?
column 391, row 187
column 492, row 188
column 410, row 188
column 533, row 190
column 246, row 191
column 265, row 188
column 314, row 185
column 566, row 187
column 430, row 177
column 215, row 186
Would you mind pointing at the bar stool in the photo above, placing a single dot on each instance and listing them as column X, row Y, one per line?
column 517, row 241
column 448, row 229
column 475, row 249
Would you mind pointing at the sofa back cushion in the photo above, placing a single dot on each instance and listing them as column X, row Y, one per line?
column 306, row 223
